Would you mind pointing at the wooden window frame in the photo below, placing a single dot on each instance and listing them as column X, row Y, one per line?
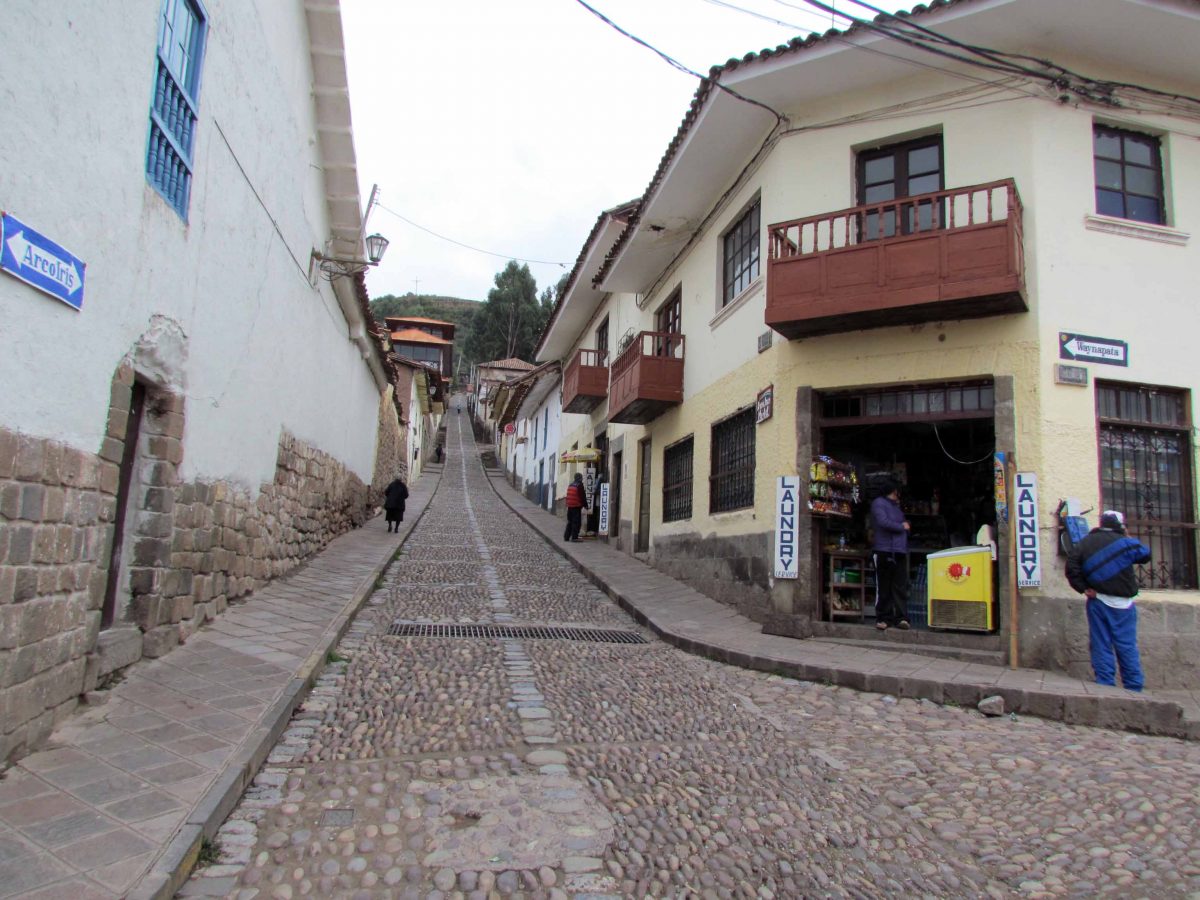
column 1126, row 136
column 900, row 177
column 741, row 253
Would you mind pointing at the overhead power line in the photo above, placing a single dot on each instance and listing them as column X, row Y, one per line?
column 780, row 118
column 544, row 262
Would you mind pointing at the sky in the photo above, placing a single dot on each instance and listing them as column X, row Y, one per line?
column 510, row 125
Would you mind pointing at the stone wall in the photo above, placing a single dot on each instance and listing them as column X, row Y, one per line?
column 391, row 446
column 189, row 549
column 731, row 570
column 1054, row 635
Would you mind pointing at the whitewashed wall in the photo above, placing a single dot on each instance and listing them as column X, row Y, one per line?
column 265, row 349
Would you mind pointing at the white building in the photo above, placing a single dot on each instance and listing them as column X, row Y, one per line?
column 205, row 383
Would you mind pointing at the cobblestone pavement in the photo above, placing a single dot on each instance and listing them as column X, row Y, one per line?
column 435, row 767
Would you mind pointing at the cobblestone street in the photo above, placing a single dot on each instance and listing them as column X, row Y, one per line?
column 439, row 767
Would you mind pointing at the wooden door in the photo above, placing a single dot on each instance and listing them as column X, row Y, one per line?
column 643, row 531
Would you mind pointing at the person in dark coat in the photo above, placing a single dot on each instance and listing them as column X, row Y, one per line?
column 1101, row 568
column 393, row 503
column 891, row 558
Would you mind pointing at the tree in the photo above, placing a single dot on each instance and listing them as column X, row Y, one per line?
column 508, row 324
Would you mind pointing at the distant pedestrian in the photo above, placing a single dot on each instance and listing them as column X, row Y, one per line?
column 576, row 501
column 393, row 503
column 1101, row 568
column 891, row 558
column 437, row 452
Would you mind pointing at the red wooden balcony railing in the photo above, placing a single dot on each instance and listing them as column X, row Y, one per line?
column 647, row 378
column 944, row 255
column 585, row 381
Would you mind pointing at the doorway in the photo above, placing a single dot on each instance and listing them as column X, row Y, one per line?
column 642, row 543
column 133, row 429
column 614, row 522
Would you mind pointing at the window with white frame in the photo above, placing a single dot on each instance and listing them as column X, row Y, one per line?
column 174, row 106
column 741, row 257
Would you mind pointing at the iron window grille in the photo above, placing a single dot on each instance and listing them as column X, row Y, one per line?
column 677, row 481
column 1145, row 472
column 731, row 482
column 174, row 107
column 742, row 252
column 1129, row 183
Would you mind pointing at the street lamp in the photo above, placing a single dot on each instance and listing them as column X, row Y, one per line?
column 333, row 267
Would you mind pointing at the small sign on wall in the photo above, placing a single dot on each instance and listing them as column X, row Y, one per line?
column 1029, row 551
column 787, row 511
column 764, row 405
column 40, row 262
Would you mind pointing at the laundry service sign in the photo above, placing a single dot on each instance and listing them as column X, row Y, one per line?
column 787, row 511
column 1029, row 550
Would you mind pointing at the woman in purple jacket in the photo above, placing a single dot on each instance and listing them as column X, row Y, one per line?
column 891, row 559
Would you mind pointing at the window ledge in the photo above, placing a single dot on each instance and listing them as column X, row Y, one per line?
column 737, row 302
column 1129, row 228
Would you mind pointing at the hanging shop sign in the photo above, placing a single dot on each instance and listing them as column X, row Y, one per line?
column 787, row 511
column 764, row 405
column 40, row 262
column 1029, row 551
column 1108, row 351
column 602, row 525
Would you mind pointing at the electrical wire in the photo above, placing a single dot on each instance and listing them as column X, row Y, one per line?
column 951, row 457
column 780, row 118
column 544, row 262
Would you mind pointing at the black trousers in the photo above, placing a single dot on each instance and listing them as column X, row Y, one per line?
column 891, row 586
column 574, row 519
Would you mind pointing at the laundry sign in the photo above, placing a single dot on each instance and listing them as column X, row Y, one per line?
column 787, row 511
column 1029, row 551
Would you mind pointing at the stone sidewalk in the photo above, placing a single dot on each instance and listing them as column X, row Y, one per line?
column 118, row 802
column 694, row 622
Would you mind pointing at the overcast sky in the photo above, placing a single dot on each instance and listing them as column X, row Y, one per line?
column 509, row 125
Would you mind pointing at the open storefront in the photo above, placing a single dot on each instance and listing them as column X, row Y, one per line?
column 938, row 441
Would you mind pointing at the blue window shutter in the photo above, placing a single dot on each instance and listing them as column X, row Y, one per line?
column 174, row 105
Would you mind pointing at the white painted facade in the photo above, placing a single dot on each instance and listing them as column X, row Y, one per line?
column 262, row 344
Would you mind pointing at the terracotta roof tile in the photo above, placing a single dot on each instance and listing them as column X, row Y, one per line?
column 416, row 336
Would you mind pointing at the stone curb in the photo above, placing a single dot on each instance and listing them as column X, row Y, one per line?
column 1143, row 714
column 174, row 865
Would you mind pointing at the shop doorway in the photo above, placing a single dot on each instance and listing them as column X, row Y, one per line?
column 642, row 541
column 938, row 441
column 614, row 497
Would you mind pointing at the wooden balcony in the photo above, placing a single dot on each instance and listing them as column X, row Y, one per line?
column 647, row 378
column 954, row 254
column 585, row 381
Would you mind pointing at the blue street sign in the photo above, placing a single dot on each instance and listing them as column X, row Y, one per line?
column 41, row 263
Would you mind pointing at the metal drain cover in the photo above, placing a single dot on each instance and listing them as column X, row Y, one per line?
column 515, row 632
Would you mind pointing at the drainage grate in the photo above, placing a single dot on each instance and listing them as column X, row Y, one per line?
column 517, row 632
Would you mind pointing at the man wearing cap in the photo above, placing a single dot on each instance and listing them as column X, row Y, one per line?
column 1101, row 567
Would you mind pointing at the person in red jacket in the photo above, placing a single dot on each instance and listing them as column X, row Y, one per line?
column 576, row 501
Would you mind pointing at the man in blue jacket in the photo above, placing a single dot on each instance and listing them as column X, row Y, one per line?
column 1101, row 567
column 891, row 559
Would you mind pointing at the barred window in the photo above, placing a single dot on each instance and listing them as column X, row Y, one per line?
column 173, row 107
column 677, row 481
column 731, row 482
column 1146, row 473
column 741, row 254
